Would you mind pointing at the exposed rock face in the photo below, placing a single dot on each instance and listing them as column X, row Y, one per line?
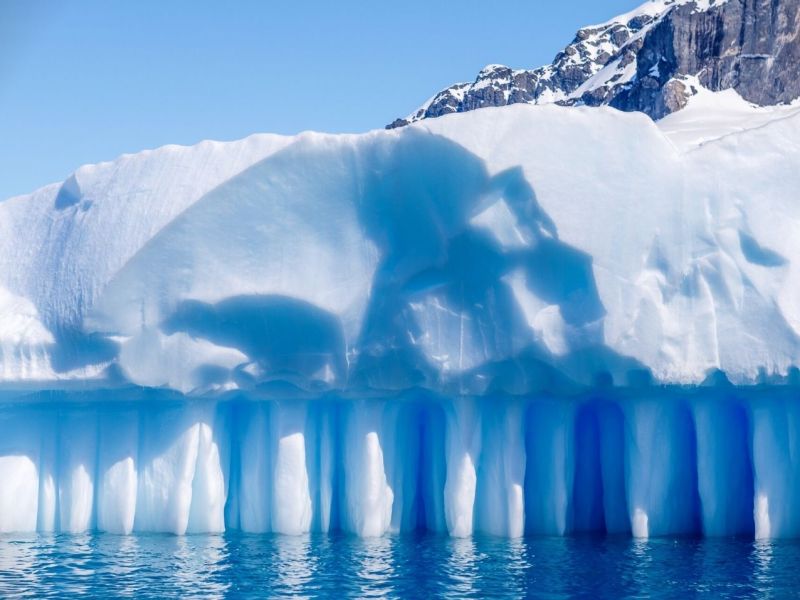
column 647, row 60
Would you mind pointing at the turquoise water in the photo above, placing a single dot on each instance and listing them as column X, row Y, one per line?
column 415, row 566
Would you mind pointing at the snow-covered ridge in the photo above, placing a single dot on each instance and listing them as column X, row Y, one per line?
column 656, row 8
column 638, row 61
column 572, row 73
column 506, row 250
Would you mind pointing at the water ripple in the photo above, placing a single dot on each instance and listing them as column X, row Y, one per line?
column 414, row 566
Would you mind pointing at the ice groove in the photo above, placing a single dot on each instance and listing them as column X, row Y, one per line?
column 647, row 462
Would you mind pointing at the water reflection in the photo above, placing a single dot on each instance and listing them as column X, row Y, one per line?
column 76, row 559
column 462, row 567
column 639, row 565
column 127, row 564
column 18, row 565
column 337, row 566
column 198, row 565
column 762, row 560
column 374, row 567
column 295, row 564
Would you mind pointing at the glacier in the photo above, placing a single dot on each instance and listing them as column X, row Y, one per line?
column 524, row 320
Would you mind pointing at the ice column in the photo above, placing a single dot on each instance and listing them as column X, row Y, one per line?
column 501, row 475
column 662, row 476
column 170, row 446
column 368, row 498
column 291, row 496
column 77, row 462
column 20, row 438
column 724, row 466
column 463, row 449
column 117, row 475
column 776, row 435
column 254, row 466
column 550, row 466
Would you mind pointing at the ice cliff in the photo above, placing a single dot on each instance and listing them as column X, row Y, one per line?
column 501, row 250
column 527, row 319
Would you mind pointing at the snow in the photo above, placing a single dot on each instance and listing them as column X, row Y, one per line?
column 515, row 320
column 79, row 234
column 712, row 115
column 597, row 50
column 657, row 8
column 606, row 76
column 651, row 8
column 592, row 240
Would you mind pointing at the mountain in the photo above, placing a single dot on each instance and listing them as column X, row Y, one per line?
column 652, row 60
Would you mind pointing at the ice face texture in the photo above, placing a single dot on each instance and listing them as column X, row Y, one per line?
column 506, row 250
column 497, row 321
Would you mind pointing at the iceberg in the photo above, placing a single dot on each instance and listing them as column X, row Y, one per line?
column 525, row 320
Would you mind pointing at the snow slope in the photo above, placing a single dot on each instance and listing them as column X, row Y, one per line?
column 492, row 250
column 711, row 115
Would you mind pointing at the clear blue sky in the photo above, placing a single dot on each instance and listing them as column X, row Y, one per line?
column 86, row 80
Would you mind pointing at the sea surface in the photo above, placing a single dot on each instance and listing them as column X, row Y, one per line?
column 235, row 565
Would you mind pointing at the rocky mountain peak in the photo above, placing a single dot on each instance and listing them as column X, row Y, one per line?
column 645, row 60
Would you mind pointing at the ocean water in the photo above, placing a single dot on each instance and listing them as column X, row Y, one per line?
column 234, row 565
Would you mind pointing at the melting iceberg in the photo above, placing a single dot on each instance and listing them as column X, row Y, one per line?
column 520, row 320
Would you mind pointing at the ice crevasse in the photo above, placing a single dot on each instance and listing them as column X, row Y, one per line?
column 521, row 320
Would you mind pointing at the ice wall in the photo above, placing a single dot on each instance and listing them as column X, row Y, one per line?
column 646, row 462
column 496, row 250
